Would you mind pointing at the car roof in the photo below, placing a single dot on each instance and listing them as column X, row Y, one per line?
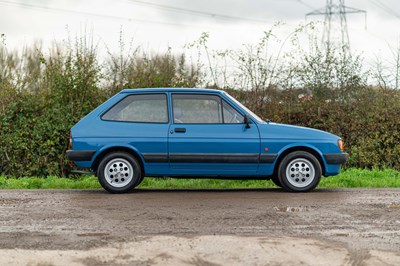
column 139, row 90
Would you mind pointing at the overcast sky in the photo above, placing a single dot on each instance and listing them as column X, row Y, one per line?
column 173, row 23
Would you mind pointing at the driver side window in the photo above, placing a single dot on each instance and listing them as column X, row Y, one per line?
column 203, row 109
column 196, row 109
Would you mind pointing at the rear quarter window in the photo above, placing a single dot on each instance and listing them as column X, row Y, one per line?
column 145, row 108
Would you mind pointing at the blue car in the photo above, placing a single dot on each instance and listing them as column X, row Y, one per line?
column 197, row 133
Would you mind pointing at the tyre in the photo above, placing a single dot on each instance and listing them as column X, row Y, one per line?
column 276, row 181
column 139, row 181
column 119, row 172
column 299, row 171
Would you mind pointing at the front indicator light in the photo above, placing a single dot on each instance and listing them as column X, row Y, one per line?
column 340, row 144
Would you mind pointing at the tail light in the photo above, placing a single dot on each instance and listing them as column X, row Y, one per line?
column 71, row 163
column 70, row 141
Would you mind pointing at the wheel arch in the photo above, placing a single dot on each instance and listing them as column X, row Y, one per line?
column 311, row 150
column 111, row 149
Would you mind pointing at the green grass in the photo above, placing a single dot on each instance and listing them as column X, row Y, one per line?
column 350, row 178
column 363, row 178
column 51, row 182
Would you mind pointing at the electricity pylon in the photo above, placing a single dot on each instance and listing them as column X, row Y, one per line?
column 335, row 13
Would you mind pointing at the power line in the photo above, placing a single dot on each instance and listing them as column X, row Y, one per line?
column 69, row 11
column 196, row 12
column 46, row 8
column 390, row 10
column 302, row 3
column 385, row 8
column 305, row 4
column 84, row 13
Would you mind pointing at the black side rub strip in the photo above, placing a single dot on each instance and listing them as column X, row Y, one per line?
column 336, row 158
column 155, row 157
column 77, row 156
column 268, row 158
column 209, row 158
column 213, row 158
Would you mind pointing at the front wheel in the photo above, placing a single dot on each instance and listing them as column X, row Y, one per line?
column 299, row 171
column 119, row 172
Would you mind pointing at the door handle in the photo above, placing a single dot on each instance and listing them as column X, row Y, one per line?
column 180, row 130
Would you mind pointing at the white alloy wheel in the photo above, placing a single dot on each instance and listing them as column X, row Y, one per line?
column 118, row 172
column 300, row 172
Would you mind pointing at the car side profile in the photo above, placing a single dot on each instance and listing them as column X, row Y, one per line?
column 197, row 133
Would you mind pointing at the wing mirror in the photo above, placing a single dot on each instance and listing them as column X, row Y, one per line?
column 246, row 121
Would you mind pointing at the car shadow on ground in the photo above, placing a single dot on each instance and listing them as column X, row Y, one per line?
column 213, row 190
column 223, row 190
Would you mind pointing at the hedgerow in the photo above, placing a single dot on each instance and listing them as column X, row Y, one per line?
column 42, row 95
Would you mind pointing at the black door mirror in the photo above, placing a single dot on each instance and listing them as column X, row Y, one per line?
column 246, row 121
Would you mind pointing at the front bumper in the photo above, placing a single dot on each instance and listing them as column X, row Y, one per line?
column 336, row 158
column 78, row 156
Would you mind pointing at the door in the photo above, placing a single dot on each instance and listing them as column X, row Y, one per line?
column 207, row 136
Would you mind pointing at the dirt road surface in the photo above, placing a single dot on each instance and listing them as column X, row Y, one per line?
column 200, row 227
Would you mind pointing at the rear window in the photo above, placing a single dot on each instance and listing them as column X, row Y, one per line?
column 145, row 108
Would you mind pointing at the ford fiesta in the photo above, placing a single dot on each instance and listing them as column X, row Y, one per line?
column 197, row 133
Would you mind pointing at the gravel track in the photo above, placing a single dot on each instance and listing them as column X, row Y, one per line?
column 361, row 225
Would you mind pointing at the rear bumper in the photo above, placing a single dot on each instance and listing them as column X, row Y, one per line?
column 336, row 158
column 78, row 156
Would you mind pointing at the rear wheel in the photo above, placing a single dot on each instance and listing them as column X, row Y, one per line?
column 119, row 172
column 276, row 181
column 299, row 171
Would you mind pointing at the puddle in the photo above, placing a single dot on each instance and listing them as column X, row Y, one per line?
column 94, row 234
column 8, row 201
column 12, row 201
column 293, row 209
column 342, row 235
column 393, row 206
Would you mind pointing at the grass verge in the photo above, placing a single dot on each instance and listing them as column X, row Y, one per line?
column 350, row 178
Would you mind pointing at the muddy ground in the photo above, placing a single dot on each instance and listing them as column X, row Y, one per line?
column 200, row 227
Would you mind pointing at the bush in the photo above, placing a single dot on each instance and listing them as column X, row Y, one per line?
column 43, row 96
